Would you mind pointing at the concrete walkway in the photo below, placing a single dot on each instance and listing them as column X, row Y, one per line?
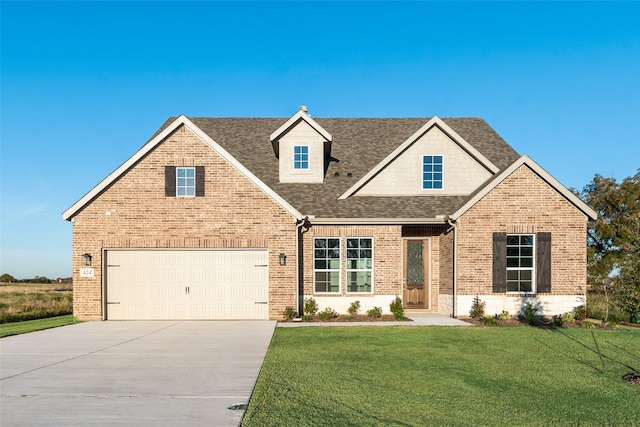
column 418, row 319
column 164, row 373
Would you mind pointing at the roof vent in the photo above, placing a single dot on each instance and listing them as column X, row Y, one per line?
column 304, row 108
column 349, row 174
column 336, row 174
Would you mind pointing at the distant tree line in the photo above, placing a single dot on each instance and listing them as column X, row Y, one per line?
column 8, row 278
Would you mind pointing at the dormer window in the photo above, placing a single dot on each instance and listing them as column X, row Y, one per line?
column 432, row 171
column 301, row 157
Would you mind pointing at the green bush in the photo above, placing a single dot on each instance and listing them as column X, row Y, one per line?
column 289, row 313
column 530, row 314
column 397, row 309
column 375, row 312
column 477, row 308
column 310, row 306
column 327, row 313
column 504, row 315
column 354, row 308
column 580, row 312
column 489, row 321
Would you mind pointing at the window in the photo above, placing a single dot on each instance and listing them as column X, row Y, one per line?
column 520, row 262
column 186, row 182
column 326, row 265
column 301, row 157
column 432, row 172
column 359, row 265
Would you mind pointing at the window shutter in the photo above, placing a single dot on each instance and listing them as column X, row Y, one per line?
column 543, row 263
column 199, row 181
column 499, row 262
column 170, row 181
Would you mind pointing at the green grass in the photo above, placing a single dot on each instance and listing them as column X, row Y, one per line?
column 471, row 376
column 17, row 328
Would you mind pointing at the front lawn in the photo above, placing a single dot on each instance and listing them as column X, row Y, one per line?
column 415, row 376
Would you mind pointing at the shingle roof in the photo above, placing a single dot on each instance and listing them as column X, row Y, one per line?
column 359, row 144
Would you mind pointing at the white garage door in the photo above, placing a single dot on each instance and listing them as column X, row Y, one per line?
column 187, row 284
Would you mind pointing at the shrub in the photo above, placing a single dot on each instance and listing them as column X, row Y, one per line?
column 289, row 313
column 558, row 320
column 489, row 321
column 310, row 306
column 306, row 318
column 529, row 313
column 477, row 308
column 587, row 324
column 504, row 315
column 348, row 318
column 327, row 313
column 354, row 308
column 397, row 309
column 580, row 312
column 375, row 312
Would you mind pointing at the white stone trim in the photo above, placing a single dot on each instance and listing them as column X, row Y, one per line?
column 495, row 304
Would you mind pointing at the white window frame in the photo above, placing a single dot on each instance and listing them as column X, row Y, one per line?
column 301, row 161
column 422, row 172
column 327, row 270
column 519, row 269
column 190, row 184
column 355, row 270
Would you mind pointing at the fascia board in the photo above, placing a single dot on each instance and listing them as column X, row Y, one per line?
column 300, row 115
column 376, row 221
column 546, row 176
column 435, row 121
column 182, row 120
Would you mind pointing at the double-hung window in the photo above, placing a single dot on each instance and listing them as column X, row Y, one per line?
column 520, row 262
column 359, row 265
column 326, row 265
column 186, row 182
column 301, row 157
column 432, row 172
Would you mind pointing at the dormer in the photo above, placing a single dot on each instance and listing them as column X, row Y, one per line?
column 303, row 149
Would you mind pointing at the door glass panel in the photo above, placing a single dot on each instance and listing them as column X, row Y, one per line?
column 415, row 264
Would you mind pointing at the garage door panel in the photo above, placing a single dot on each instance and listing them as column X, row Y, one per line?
column 187, row 284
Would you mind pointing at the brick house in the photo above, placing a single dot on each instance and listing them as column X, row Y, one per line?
column 239, row 218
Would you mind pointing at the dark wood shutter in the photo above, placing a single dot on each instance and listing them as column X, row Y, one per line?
column 499, row 262
column 543, row 263
column 170, row 181
column 199, row 181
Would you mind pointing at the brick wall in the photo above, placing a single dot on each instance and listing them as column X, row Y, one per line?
column 522, row 203
column 133, row 212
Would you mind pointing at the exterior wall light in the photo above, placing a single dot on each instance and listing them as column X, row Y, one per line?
column 87, row 260
column 283, row 259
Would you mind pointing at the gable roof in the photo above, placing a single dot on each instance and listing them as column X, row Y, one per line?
column 359, row 145
column 524, row 160
column 434, row 122
column 170, row 126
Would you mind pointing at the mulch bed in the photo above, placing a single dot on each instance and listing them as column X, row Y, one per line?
column 547, row 323
column 357, row 318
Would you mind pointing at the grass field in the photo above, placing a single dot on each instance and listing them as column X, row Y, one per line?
column 472, row 376
column 29, row 301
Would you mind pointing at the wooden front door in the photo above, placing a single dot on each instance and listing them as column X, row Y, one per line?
column 416, row 274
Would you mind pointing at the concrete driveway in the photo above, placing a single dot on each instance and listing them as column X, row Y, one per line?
column 160, row 373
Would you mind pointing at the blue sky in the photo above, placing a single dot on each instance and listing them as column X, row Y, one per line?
column 85, row 84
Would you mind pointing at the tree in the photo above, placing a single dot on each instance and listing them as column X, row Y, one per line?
column 627, row 286
column 7, row 278
column 609, row 236
column 613, row 239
